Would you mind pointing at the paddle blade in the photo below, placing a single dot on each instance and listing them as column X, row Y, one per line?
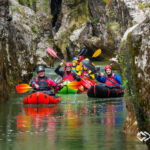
column 97, row 53
column 74, row 85
column 82, row 51
column 58, row 79
column 88, row 65
column 22, row 88
column 52, row 52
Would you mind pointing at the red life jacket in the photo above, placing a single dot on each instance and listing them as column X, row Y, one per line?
column 111, row 80
column 84, row 73
column 68, row 77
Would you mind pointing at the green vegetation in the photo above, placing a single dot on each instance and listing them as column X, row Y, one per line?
column 34, row 29
column 107, row 2
column 28, row 2
column 95, row 21
column 44, row 4
column 110, row 14
column 51, row 39
column 114, row 26
column 142, row 6
column 19, row 11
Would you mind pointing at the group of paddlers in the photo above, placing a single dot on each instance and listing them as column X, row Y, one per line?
column 74, row 70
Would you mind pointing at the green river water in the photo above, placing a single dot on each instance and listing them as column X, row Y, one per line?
column 77, row 123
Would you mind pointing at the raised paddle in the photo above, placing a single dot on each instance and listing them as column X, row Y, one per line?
column 52, row 53
column 88, row 65
column 82, row 51
column 58, row 79
column 97, row 53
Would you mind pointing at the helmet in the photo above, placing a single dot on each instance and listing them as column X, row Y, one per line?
column 87, row 59
column 81, row 58
column 68, row 64
column 74, row 58
column 107, row 67
column 75, row 61
column 40, row 69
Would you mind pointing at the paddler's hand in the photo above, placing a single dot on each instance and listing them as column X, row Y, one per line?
column 101, row 74
column 78, row 78
column 36, row 86
column 60, row 86
column 62, row 62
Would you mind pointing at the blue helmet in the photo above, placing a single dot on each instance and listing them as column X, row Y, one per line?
column 74, row 58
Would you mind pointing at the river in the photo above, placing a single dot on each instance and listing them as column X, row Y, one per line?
column 78, row 122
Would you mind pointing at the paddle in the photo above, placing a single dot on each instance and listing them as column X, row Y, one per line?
column 97, row 53
column 22, row 88
column 74, row 84
column 88, row 65
column 52, row 53
column 58, row 79
column 82, row 51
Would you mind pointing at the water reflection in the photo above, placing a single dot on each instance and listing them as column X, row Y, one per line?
column 82, row 125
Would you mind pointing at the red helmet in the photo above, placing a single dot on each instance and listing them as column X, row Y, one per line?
column 81, row 58
column 68, row 64
column 107, row 67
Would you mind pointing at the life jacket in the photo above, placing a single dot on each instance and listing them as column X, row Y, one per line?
column 68, row 77
column 111, row 80
column 42, row 82
column 74, row 69
column 84, row 73
column 79, row 67
column 92, row 75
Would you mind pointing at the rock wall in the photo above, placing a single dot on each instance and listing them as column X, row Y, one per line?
column 135, row 60
column 94, row 24
column 71, row 20
column 25, row 35
column 4, row 21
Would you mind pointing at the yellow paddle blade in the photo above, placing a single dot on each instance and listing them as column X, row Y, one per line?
column 97, row 53
column 22, row 88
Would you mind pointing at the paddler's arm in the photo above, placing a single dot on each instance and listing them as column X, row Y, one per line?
column 52, row 84
column 118, row 79
column 77, row 77
column 57, row 70
column 33, row 84
column 101, row 78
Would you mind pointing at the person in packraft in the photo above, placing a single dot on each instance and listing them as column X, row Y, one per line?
column 67, row 74
column 111, row 79
column 74, row 65
column 43, row 83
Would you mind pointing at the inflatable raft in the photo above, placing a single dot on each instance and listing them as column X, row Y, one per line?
column 81, row 88
column 67, row 90
column 104, row 91
column 41, row 98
